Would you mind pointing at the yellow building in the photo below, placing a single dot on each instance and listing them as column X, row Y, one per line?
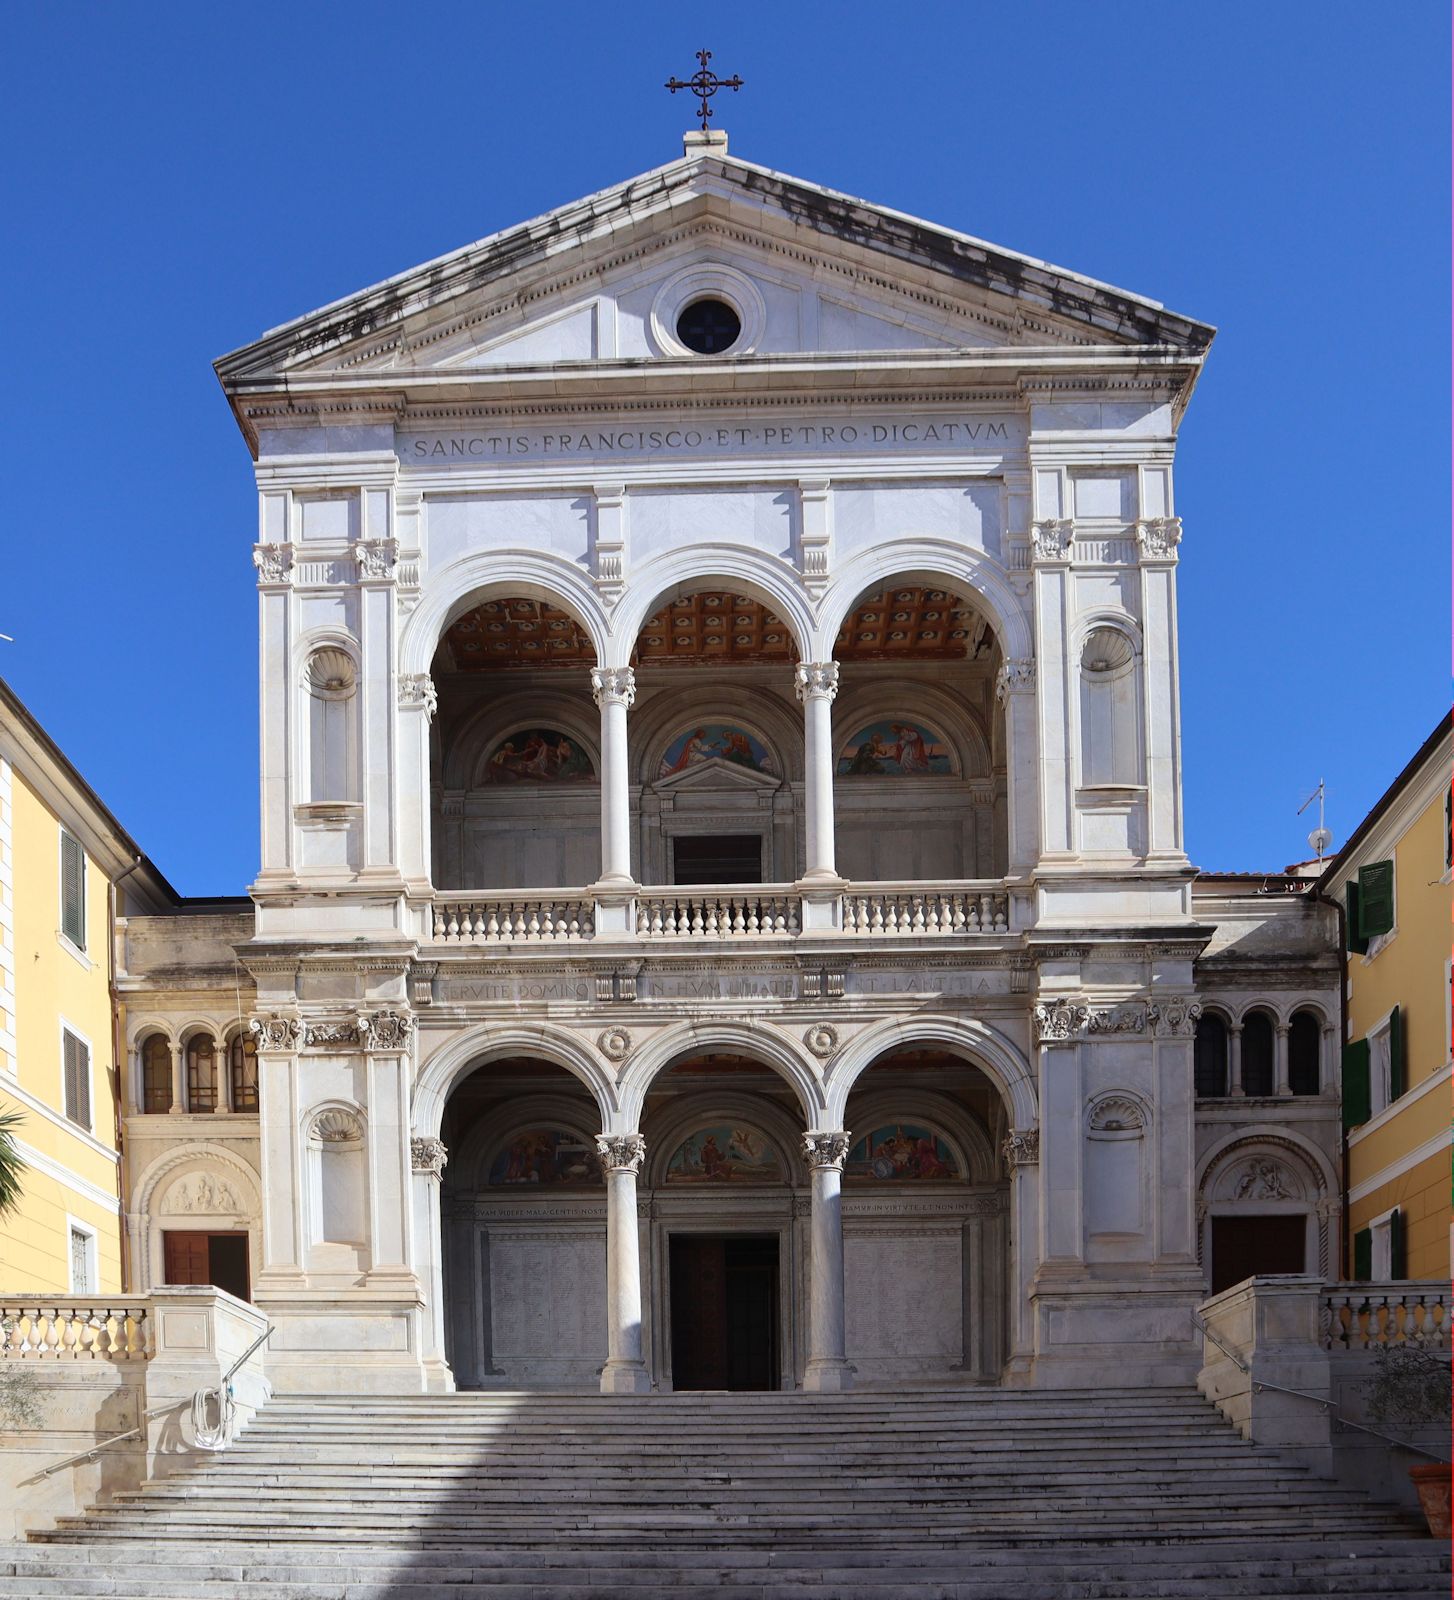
column 1393, row 880
column 67, row 870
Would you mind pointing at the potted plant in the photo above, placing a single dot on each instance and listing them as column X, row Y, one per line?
column 1412, row 1388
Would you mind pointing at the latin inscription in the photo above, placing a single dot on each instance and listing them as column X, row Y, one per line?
column 964, row 433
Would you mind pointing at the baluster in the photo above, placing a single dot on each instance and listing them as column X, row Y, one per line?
column 754, row 915
column 794, row 924
column 54, row 1334
column 696, row 910
column 25, row 1342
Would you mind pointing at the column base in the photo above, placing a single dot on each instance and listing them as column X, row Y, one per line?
column 828, row 1377
column 625, row 1377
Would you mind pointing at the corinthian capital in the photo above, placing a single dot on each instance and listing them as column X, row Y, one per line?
column 613, row 686
column 1014, row 677
column 826, row 1149
column 816, row 680
column 274, row 563
column 621, row 1152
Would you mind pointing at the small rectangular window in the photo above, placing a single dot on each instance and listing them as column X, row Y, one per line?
column 83, row 1261
column 73, row 891
column 77, row 1068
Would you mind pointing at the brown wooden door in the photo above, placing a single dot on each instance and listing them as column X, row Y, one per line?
column 1249, row 1247
column 216, row 1258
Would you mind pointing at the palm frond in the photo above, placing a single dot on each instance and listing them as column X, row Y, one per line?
column 11, row 1163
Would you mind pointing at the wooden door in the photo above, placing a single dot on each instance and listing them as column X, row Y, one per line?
column 216, row 1258
column 1249, row 1247
column 184, row 1257
column 698, row 1312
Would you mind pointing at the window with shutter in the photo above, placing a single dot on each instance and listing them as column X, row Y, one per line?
column 1398, row 1077
column 1356, row 1098
column 73, row 891
column 77, row 1065
column 1375, row 899
column 1363, row 1255
column 1448, row 828
column 1398, row 1245
column 1356, row 942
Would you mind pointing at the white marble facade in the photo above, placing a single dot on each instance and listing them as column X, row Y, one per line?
column 437, row 966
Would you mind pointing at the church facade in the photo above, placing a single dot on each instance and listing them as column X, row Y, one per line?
column 724, row 919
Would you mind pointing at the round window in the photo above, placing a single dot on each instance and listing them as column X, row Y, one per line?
column 709, row 327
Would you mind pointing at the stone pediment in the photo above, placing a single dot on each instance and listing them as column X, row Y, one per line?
column 716, row 775
column 600, row 280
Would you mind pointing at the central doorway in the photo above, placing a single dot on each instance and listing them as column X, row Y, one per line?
column 724, row 1311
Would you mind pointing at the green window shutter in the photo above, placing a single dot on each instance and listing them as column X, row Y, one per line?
column 78, row 1080
column 1363, row 1255
column 1398, row 1076
column 1449, row 827
column 1357, row 1101
column 1375, row 899
column 1398, row 1245
column 73, row 891
column 1356, row 943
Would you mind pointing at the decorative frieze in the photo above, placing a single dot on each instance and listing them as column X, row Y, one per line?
column 377, row 560
column 1158, row 537
column 826, row 1149
column 417, row 689
column 275, row 1033
column 1051, row 539
column 332, row 1035
column 621, row 1152
column 387, row 1030
column 274, row 563
column 1174, row 1016
column 1060, row 1020
column 1128, row 1018
column 429, row 1156
column 1021, row 1149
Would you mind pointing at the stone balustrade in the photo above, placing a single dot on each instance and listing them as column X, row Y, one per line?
column 1362, row 1316
column 76, row 1328
column 533, row 918
column 894, row 911
column 719, row 911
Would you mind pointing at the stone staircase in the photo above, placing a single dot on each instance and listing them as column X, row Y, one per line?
column 956, row 1494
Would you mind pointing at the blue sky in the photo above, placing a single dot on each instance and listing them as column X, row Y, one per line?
column 177, row 178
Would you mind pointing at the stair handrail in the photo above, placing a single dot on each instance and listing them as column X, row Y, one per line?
column 204, row 1435
column 102, row 1444
column 1325, row 1401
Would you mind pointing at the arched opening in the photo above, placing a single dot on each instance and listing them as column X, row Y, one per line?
column 716, row 740
column 523, row 1219
column 1259, row 1064
column 514, row 754
column 925, row 1221
column 1304, row 1053
column 1210, row 1057
column 156, row 1073
column 242, row 1072
column 200, row 1060
column 918, row 737
column 1264, row 1199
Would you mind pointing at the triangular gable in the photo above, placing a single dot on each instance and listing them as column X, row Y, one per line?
column 717, row 775
column 525, row 295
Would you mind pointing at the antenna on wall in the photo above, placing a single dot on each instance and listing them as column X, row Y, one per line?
column 1320, row 838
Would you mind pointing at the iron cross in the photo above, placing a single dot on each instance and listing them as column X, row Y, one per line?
column 704, row 83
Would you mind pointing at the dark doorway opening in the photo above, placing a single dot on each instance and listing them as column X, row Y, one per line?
column 1249, row 1247
column 216, row 1258
column 724, row 1311
column 717, row 858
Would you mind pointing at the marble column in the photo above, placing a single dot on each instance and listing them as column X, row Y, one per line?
column 625, row 1369
column 222, row 1100
column 614, row 689
column 179, row 1087
column 427, row 1158
column 1234, row 1060
column 817, row 684
column 828, row 1370
column 280, row 1151
column 1280, row 1047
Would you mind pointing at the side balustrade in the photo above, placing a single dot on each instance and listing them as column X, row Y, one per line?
column 76, row 1329
column 767, row 912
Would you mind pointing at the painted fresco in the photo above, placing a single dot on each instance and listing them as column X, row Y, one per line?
column 724, row 1155
column 904, row 1153
column 895, row 749
column 539, row 755
column 719, row 739
column 543, row 1158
